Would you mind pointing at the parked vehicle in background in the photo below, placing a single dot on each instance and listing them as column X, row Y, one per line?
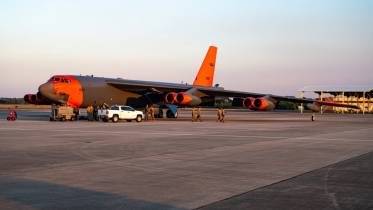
column 121, row 112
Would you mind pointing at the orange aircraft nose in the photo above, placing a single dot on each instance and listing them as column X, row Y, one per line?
column 48, row 91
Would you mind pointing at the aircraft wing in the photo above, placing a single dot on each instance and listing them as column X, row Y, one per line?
column 229, row 93
column 146, row 87
column 138, row 86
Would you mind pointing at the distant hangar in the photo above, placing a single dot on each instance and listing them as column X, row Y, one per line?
column 360, row 95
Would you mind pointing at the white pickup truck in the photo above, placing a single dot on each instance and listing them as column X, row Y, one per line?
column 120, row 112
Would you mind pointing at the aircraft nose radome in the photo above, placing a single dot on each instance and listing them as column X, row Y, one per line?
column 46, row 89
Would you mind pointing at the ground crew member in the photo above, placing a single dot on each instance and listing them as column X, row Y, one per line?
column 90, row 113
column 193, row 114
column 95, row 112
column 221, row 115
column 198, row 114
column 146, row 112
column 152, row 112
column 313, row 116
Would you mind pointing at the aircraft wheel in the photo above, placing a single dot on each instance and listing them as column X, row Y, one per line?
column 138, row 118
column 115, row 118
column 169, row 114
column 160, row 115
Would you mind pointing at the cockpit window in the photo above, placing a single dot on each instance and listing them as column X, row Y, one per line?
column 65, row 80
column 59, row 79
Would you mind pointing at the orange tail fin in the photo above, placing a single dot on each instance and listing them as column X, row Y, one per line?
column 205, row 76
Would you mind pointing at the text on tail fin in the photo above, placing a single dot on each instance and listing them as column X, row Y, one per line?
column 205, row 76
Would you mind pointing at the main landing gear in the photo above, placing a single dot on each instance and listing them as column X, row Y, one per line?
column 171, row 114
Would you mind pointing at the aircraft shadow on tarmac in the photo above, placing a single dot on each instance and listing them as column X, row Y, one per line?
column 49, row 196
column 345, row 185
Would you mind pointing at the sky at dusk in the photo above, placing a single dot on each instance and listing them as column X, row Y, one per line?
column 266, row 46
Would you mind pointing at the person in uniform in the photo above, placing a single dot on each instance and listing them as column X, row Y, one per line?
column 146, row 112
column 152, row 112
column 198, row 114
column 193, row 114
column 90, row 113
column 313, row 116
column 95, row 112
column 222, row 114
column 219, row 115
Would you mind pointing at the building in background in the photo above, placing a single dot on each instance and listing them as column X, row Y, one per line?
column 360, row 95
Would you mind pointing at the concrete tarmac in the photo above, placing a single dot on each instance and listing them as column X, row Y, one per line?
column 177, row 164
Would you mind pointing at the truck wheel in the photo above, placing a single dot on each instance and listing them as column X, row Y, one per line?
column 115, row 118
column 138, row 118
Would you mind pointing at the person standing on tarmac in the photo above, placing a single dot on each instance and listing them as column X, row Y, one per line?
column 152, row 112
column 90, row 113
column 146, row 112
column 198, row 114
column 95, row 112
column 313, row 117
column 193, row 114
column 222, row 114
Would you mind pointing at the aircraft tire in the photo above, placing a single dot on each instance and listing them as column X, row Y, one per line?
column 160, row 115
column 169, row 114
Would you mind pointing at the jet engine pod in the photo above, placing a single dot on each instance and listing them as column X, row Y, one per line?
column 263, row 104
column 28, row 98
column 248, row 102
column 170, row 98
column 36, row 99
column 184, row 98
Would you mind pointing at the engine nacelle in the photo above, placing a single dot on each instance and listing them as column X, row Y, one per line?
column 248, row 102
column 314, row 107
column 32, row 98
column 35, row 99
column 170, row 98
column 263, row 104
column 28, row 98
column 184, row 98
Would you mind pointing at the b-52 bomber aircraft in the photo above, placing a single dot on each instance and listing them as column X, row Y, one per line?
column 81, row 91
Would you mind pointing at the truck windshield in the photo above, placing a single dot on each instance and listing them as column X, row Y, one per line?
column 127, row 108
column 114, row 108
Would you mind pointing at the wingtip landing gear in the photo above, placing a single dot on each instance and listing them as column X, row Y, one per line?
column 313, row 117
